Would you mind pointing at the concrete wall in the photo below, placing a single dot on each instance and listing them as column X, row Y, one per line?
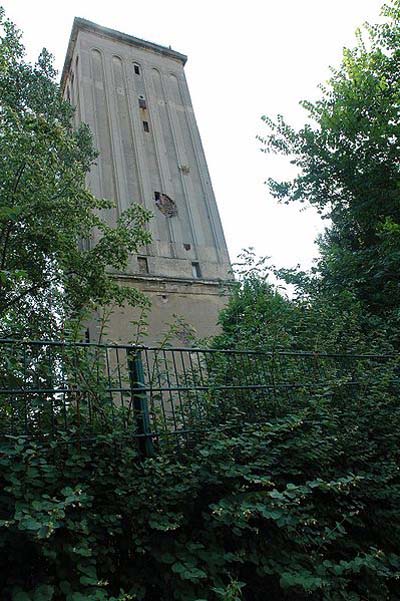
column 179, row 311
column 122, row 87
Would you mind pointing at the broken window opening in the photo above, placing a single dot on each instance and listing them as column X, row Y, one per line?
column 187, row 246
column 184, row 169
column 165, row 204
column 146, row 126
column 196, row 271
column 143, row 265
column 136, row 68
column 142, row 102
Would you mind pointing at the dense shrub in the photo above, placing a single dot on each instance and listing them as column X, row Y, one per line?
column 259, row 316
column 304, row 506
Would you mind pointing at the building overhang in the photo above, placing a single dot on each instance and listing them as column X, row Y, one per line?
column 158, row 279
column 80, row 24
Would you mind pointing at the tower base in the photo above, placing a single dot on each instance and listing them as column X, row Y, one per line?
column 181, row 310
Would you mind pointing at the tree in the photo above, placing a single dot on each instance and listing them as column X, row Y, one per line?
column 259, row 316
column 46, row 276
column 348, row 161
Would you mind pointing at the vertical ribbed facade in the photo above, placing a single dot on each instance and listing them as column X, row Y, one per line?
column 134, row 96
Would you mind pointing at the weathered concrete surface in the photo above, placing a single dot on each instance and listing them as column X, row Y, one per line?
column 134, row 96
column 180, row 309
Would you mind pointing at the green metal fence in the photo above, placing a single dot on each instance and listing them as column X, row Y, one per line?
column 53, row 390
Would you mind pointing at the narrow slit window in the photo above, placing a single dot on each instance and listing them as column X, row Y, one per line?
column 146, row 126
column 143, row 265
column 196, row 271
column 136, row 69
column 142, row 102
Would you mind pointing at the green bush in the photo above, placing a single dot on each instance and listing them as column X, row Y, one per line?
column 304, row 506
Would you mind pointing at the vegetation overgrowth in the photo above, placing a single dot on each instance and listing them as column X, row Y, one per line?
column 305, row 504
column 346, row 162
column 48, row 282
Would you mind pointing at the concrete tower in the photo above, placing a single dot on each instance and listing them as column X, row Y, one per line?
column 134, row 96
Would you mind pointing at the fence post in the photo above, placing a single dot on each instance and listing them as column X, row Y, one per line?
column 139, row 402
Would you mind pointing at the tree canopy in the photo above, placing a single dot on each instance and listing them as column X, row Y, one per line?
column 347, row 157
column 46, row 276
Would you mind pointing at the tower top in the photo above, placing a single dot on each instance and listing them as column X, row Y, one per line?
column 80, row 24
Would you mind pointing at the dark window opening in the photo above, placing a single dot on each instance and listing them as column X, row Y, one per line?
column 196, row 272
column 142, row 102
column 146, row 126
column 165, row 204
column 187, row 246
column 136, row 69
column 143, row 265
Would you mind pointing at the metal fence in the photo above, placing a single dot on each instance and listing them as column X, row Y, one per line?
column 51, row 390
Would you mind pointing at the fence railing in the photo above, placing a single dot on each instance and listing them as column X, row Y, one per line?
column 51, row 389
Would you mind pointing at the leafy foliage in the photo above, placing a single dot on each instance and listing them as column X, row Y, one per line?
column 259, row 316
column 45, row 207
column 303, row 506
column 347, row 160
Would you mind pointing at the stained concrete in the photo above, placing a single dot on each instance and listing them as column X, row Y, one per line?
column 117, row 82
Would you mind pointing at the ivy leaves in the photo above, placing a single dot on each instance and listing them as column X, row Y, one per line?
column 265, row 507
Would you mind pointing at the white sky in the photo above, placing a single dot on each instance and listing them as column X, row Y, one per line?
column 246, row 59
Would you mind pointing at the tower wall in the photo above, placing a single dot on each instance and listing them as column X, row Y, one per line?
column 134, row 96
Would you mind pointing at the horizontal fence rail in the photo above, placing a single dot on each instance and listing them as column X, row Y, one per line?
column 50, row 389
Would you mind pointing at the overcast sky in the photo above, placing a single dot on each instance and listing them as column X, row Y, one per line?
column 246, row 59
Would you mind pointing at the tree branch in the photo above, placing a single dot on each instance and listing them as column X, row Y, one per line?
column 19, row 297
column 10, row 223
